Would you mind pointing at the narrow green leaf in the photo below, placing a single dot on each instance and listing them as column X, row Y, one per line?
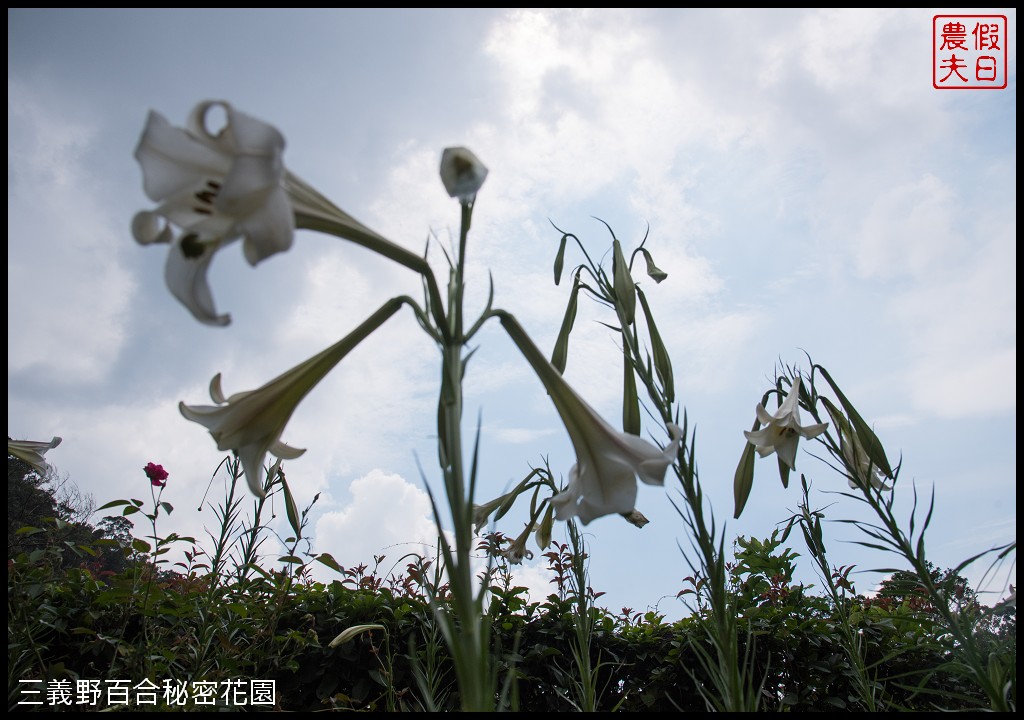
column 291, row 559
column 168, row 508
column 140, row 546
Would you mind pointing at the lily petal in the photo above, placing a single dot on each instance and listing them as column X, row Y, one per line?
column 172, row 161
column 217, row 188
column 185, row 274
column 32, row 451
column 148, row 228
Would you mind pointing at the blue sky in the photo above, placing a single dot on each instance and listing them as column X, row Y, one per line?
column 805, row 186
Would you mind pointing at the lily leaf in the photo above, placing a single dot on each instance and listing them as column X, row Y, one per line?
column 114, row 503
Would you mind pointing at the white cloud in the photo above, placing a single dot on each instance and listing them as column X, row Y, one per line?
column 536, row 578
column 387, row 515
column 520, row 435
column 971, row 384
column 962, row 333
column 909, row 230
column 68, row 291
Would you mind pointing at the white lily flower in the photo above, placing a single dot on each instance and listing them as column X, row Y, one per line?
column 482, row 513
column 782, row 431
column 857, row 457
column 462, row 173
column 251, row 423
column 351, row 633
column 608, row 462
column 219, row 187
column 517, row 550
column 32, row 451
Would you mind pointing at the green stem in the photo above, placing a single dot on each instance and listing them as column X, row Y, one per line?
column 469, row 641
column 388, row 249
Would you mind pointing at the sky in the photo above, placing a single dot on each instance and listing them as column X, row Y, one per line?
column 804, row 185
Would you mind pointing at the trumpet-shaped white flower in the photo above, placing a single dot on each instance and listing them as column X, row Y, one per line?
column 32, row 451
column 482, row 513
column 608, row 462
column 216, row 187
column 462, row 173
column 251, row 423
column 782, row 431
column 517, row 550
column 352, row 633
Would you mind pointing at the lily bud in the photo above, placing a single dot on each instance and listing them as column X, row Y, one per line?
column 625, row 288
column 462, row 173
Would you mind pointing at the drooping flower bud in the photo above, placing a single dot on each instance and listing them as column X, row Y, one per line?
column 462, row 173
